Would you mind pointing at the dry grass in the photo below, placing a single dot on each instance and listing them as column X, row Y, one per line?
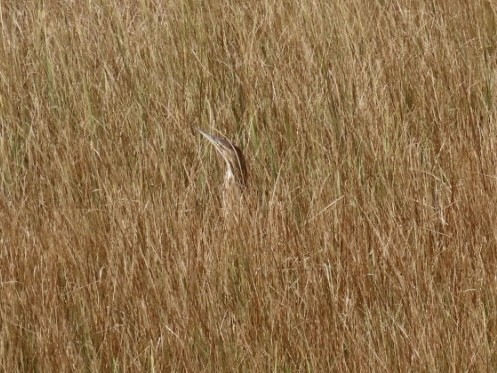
column 113, row 252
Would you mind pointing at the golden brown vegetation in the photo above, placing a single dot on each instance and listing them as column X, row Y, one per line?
column 371, row 137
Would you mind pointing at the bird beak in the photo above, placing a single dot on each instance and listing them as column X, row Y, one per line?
column 214, row 141
column 206, row 135
column 211, row 138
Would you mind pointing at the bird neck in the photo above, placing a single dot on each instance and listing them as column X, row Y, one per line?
column 229, row 177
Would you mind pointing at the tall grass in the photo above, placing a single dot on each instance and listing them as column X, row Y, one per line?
column 371, row 137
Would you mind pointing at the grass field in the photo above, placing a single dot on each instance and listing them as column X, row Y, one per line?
column 369, row 240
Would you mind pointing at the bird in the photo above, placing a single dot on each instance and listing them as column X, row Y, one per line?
column 235, row 178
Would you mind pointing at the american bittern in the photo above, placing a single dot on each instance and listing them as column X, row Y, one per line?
column 235, row 179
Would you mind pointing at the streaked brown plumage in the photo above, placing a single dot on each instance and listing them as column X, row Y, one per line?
column 235, row 179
